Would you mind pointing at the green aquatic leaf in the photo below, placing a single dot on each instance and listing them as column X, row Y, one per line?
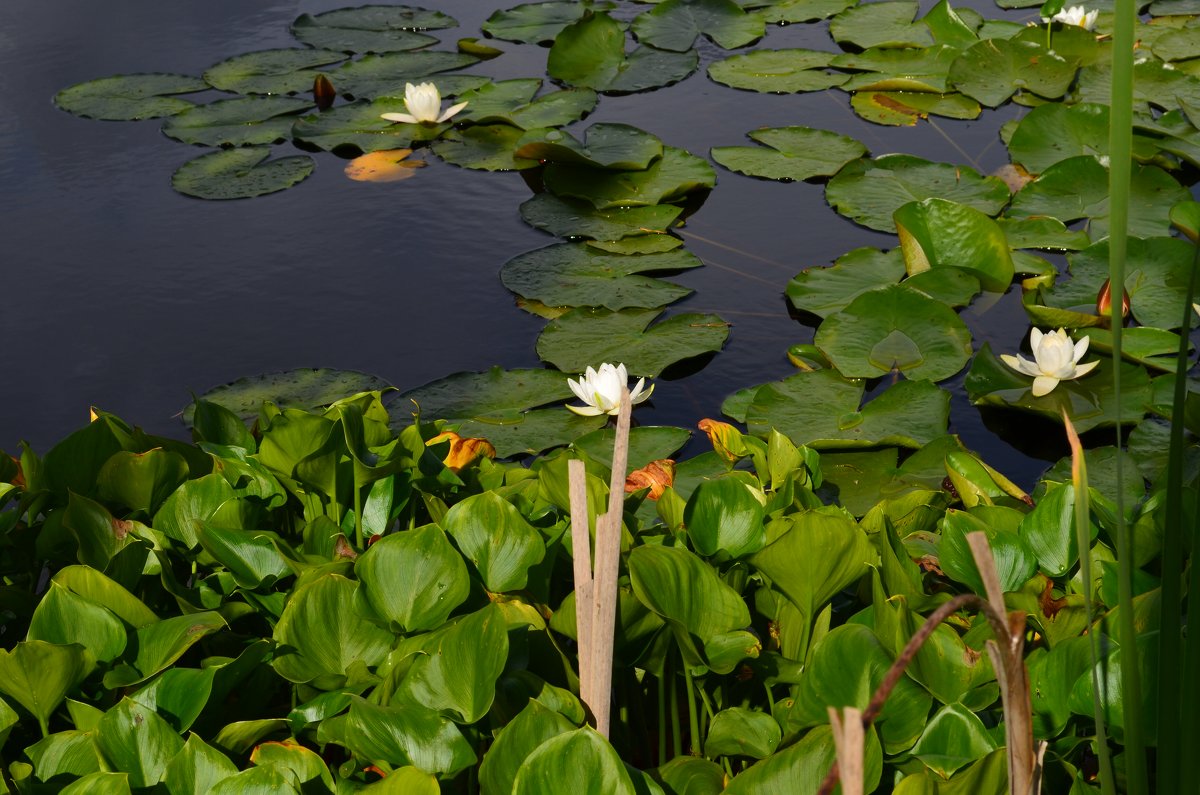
column 137, row 741
column 794, row 153
column 1042, row 232
column 573, row 274
column 304, row 388
column 802, row 767
column 646, row 443
column 240, row 174
column 895, row 328
column 824, row 410
column 237, row 122
column 583, row 338
column 676, row 24
column 515, row 102
column 1077, row 188
column 533, row 725
column 993, row 70
column 158, row 646
column 785, row 11
column 374, row 28
column 673, row 176
column 906, row 108
column 904, row 69
column 578, row 761
column 954, row 738
column 571, row 218
column 738, row 731
column 869, row 191
column 496, row 539
column 129, row 97
column 1054, row 132
column 590, row 53
column 777, row 71
column 1015, row 561
column 286, row 71
column 539, row 23
column 620, row 147
column 1154, row 83
column 196, row 768
column 386, row 74
column 824, row 291
column 486, row 147
column 360, row 127
column 936, row 234
column 886, row 24
column 63, row 617
column 951, row 26
column 406, row 735
column 724, row 516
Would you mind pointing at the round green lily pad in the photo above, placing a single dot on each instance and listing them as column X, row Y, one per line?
column 794, row 153
column 515, row 102
column 303, row 388
column 486, row 147
column 993, row 70
column 887, row 24
column 538, row 23
column 239, row 174
column 573, row 218
column 824, row 291
column 129, row 97
column 904, row 69
column 360, row 127
column 585, row 338
column 237, row 122
column 676, row 24
column 895, row 328
column 621, row 147
column 387, row 74
column 590, row 53
column 287, row 71
column 676, row 174
column 778, row 71
column 371, row 28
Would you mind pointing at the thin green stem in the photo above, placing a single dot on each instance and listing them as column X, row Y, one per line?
column 693, row 717
column 1189, row 725
column 662, row 721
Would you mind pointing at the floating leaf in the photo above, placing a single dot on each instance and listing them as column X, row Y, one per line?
column 590, row 53
column 583, row 338
column 904, row 69
column 515, row 102
column 129, row 97
column 385, row 75
column 823, row 291
column 303, row 388
column 287, row 71
column 993, row 70
column 620, row 147
column 936, row 233
column 895, row 328
column 778, row 71
column 1154, row 83
column 240, row 174
column 1054, row 132
column 886, row 24
column 487, row 147
column 360, row 127
column 795, row 153
column 821, row 409
column 671, row 177
column 385, row 165
column 870, row 191
column 905, row 108
column 236, row 122
column 571, row 218
column 676, row 24
column 572, row 274
column 538, row 23
column 370, row 28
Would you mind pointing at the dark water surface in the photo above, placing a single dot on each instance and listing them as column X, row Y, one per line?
column 123, row 294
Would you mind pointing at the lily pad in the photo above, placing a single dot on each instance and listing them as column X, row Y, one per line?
column 386, row 75
column 906, row 108
column 501, row 406
column 538, row 23
column 936, row 233
column 590, row 53
column 870, row 191
column 1153, row 347
column 824, row 291
column 487, row 147
column 895, row 328
column 240, row 174
column 360, row 127
column 1090, row 401
column 236, row 122
column 1054, row 132
column 129, row 97
column 795, row 153
column 573, row 274
column 301, row 389
column 513, row 102
column 1077, row 188
column 370, row 28
column 821, row 409
column 620, row 147
column 676, row 24
column 778, row 71
column 583, row 338
column 801, row 10
column 886, row 24
column 1044, row 233
column 673, row 176
column 1157, row 271
column 993, row 70
column 905, row 69
column 1154, row 83
column 572, row 218
column 286, row 71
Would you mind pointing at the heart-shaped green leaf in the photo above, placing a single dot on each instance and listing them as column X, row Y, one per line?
column 777, row 71
column 370, row 28
column 286, row 71
column 584, row 338
column 795, row 153
column 240, row 174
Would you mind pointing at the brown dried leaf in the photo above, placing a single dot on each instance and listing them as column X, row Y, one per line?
column 1013, row 176
column 463, row 450
column 656, row 476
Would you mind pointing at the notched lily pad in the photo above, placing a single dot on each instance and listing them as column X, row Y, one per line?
column 387, row 74
column 794, row 153
column 778, row 71
column 360, row 127
column 371, row 28
column 515, row 102
column 538, row 23
column 590, row 53
column 286, row 71
column 586, row 337
column 676, row 24
column 906, row 108
column 304, row 388
column 886, row 24
column 621, row 147
column 904, row 69
column 826, row 290
column 240, row 174
column 993, row 70
column 237, row 122
column 671, row 177
column 129, row 97
column 486, row 147
column 572, row 218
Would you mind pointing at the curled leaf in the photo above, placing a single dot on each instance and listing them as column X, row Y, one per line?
column 656, row 476
column 463, row 450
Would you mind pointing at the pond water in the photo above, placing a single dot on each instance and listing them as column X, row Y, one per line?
column 126, row 295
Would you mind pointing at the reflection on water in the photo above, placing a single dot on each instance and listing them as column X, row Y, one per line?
column 126, row 295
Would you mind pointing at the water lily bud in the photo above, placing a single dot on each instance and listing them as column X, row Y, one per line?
column 323, row 92
column 1104, row 301
column 463, row 450
column 656, row 476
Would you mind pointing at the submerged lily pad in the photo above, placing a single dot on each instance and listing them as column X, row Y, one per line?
column 286, row 71
column 240, row 173
column 573, row 274
column 620, row 147
column 895, row 328
column 590, row 53
column 370, row 28
column 237, row 122
column 304, row 388
column 824, row 291
column 906, row 108
column 386, row 74
column 585, row 337
column 574, row 219
column 870, row 191
column 129, row 97
column 501, row 406
column 778, row 71
column 671, row 177
column 487, row 147
column 513, row 102
column 886, row 24
column 823, row 410
column 676, row 24
column 539, row 23
column 795, row 153
column 993, row 70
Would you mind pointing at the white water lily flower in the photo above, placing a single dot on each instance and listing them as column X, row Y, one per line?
column 1056, row 358
column 601, row 390
column 424, row 103
column 1078, row 16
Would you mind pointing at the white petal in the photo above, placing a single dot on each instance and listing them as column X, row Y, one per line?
column 1084, row 369
column 586, row 411
column 1035, row 338
column 1081, row 347
column 1021, row 364
column 401, row 117
column 1044, row 385
column 451, row 111
column 579, row 389
column 637, row 396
